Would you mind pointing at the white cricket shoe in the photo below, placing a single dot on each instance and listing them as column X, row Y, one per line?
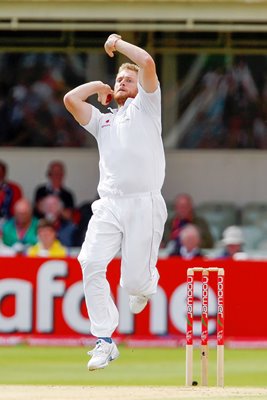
column 137, row 303
column 102, row 354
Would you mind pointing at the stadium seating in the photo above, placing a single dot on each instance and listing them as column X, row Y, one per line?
column 218, row 215
column 253, row 213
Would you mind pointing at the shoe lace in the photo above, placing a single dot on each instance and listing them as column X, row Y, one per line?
column 97, row 349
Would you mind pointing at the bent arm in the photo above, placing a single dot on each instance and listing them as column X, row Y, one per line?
column 147, row 73
column 75, row 100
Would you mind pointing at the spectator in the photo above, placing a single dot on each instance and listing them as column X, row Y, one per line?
column 20, row 231
column 48, row 245
column 184, row 214
column 10, row 192
column 6, row 251
column 31, row 86
column 52, row 209
column 190, row 243
column 233, row 241
column 55, row 173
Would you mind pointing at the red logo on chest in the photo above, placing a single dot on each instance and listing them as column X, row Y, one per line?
column 106, row 123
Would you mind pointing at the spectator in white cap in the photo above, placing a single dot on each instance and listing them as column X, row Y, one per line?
column 233, row 241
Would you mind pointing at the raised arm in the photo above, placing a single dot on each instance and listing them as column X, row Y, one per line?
column 76, row 104
column 147, row 74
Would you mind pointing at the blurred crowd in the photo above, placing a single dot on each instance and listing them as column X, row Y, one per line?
column 49, row 225
column 226, row 107
column 32, row 87
column 221, row 104
column 52, row 224
column 189, row 234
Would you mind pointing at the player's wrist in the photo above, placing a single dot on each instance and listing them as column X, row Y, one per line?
column 116, row 41
column 113, row 39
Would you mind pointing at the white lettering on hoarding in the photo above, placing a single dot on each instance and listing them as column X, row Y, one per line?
column 158, row 316
column 72, row 309
column 126, row 320
column 47, row 289
column 158, row 322
column 51, row 285
column 21, row 321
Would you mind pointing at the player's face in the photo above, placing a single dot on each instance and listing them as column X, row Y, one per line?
column 125, row 86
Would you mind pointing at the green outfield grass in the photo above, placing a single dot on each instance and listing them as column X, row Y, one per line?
column 67, row 366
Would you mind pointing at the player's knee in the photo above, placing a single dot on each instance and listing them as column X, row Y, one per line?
column 92, row 268
column 88, row 261
column 133, row 286
column 82, row 260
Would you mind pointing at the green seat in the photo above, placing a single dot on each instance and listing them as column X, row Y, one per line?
column 253, row 212
column 253, row 236
column 218, row 215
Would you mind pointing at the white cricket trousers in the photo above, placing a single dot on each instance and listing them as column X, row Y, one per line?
column 133, row 225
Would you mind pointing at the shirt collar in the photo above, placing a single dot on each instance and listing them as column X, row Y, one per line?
column 123, row 108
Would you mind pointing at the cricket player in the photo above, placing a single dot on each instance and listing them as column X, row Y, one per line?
column 131, row 212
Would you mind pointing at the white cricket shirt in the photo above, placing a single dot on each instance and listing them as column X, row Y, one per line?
column 130, row 146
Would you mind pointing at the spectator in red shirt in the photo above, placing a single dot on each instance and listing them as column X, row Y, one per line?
column 184, row 215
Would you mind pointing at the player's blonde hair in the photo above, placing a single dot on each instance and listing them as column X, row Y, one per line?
column 131, row 67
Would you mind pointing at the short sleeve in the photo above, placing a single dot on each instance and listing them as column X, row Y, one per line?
column 93, row 125
column 150, row 102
